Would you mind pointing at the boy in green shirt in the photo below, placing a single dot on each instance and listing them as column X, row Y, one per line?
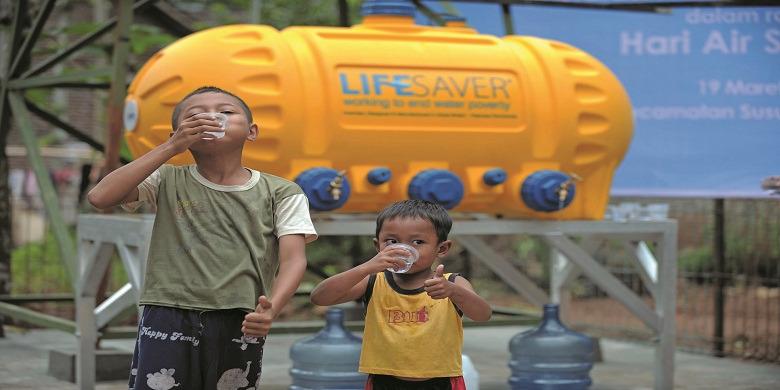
column 223, row 236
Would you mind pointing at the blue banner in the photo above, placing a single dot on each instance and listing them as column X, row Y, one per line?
column 704, row 84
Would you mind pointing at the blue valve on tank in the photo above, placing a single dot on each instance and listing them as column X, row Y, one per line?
column 387, row 7
column 438, row 186
column 327, row 189
column 379, row 176
column 548, row 190
column 494, row 177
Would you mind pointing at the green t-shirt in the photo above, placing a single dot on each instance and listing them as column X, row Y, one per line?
column 215, row 247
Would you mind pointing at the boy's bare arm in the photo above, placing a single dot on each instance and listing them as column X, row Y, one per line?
column 121, row 185
column 343, row 287
column 351, row 284
column 292, row 265
column 469, row 302
column 461, row 293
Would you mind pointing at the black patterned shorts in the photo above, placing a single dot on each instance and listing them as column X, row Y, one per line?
column 192, row 350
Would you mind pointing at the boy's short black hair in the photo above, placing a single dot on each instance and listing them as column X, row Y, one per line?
column 208, row 89
column 415, row 208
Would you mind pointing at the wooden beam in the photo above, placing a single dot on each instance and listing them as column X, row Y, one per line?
column 649, row 230
column 17, row 299
column 343, row 13
column 54, row 59
column 641, row 255
column 666, row 308
column 14, row 43
column 55, row 121
column 509, row 23
column 504, row 269
column 36, row 318
column 168, row 17
column 52, row 81
column 51, row 201
column 32, row 37
column 605, row 280
column 118, row 85
column 429, row 13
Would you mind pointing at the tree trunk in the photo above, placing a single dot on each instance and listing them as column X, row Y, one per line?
column 11, row 42
column 5, row 228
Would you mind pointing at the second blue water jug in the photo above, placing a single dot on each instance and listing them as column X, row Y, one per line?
column 550, row 357
column 328, row 360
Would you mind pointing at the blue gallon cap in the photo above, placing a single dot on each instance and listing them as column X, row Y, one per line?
column 387, row 7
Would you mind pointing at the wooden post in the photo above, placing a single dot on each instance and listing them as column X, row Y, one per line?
column 719, row 255
column 118, row 84
column 666, row 308
column 509, row 24
column 256, row 11
column 343, row 13
column 51, row 202
column 12, row 44
column 115, row 107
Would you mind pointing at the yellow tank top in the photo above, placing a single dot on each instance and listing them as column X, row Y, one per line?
column 410, row 334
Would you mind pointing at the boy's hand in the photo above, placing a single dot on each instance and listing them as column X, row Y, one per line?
column 258, row 323
column 388, row 258
column 438, row 287
column 192, row 130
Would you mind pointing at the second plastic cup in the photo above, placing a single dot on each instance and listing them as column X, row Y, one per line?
column 408, row 259
column 222, row 119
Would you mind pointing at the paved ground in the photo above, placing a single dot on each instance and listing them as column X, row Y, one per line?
column 626, row 366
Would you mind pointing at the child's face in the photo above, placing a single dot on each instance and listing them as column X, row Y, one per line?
column 418, row 233
column 237, row 130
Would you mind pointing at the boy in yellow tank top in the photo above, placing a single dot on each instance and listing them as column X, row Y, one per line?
column 413, row 331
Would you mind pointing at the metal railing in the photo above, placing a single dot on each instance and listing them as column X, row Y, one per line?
column 745, row 322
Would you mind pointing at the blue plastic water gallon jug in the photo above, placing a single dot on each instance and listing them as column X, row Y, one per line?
column 550, row 357
column 329, row 359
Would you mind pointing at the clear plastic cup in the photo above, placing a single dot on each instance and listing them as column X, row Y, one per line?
column 408, row 259
column 222, row 120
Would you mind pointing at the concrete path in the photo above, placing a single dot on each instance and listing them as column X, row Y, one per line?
column 626, row 366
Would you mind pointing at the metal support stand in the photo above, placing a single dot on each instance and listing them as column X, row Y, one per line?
column 572, row 259
column 100, row 234
column 98, row 237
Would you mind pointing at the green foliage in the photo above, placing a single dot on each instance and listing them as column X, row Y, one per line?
column 124, row 150
column 39, row 96
column 277, row 13
column 78, row 29
column 281, row 14
column 335, row 254
column 535, row 256
column 696, row 259
column 36, row 267
column 145, row 39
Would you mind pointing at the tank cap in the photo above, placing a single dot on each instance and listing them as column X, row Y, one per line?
column 130, row 115
column 379, row 175
column 547, row 190
column 494, row 177
column 387, row 7
column 437, row 185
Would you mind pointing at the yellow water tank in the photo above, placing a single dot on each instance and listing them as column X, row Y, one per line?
column 388, row 109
